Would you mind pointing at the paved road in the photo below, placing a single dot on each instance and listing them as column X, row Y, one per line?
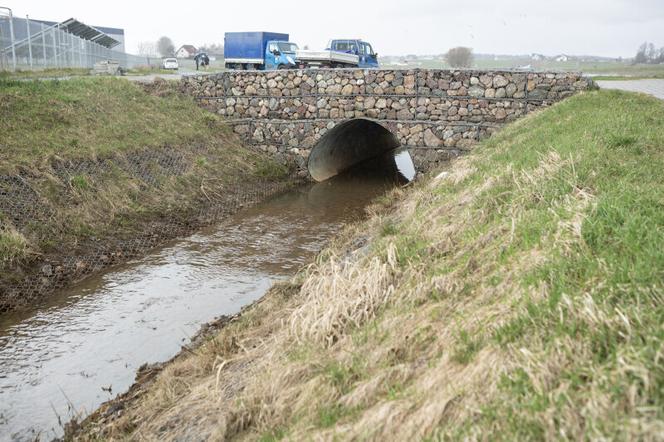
column 654, row 87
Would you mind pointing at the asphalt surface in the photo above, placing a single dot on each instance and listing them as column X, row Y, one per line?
column 654, row 87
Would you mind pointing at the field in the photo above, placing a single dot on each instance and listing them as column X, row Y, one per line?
column 607, row 70
column 516, row 295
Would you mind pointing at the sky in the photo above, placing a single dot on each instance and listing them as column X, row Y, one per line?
column 394, row 27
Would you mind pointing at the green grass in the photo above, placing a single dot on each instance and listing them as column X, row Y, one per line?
column 13, row 246
column 44, row 73
column 112, row 120
column 603, row 70
column 614, row 146
column 98, row 116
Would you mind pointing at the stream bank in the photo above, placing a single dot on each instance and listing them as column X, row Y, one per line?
column 95, row 172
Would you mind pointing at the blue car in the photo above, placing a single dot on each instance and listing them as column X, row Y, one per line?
column 368, row 58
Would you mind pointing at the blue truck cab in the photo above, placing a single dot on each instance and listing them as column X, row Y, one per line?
column 258, row 50
column 368, row 58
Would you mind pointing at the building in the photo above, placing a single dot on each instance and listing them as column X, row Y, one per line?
column 186, row 51
column 112, row 38
column 562, row 58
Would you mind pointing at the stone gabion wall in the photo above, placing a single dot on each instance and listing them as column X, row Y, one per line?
column 435, row 113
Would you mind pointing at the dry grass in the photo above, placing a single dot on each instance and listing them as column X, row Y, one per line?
column 481, row 307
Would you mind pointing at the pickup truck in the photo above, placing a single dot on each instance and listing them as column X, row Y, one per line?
column 258, row 50
column 340, row 54
column 367, row 57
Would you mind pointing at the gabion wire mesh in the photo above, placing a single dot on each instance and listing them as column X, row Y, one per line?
column 21, row 205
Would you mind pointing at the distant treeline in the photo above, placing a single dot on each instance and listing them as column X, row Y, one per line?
column 647, row 53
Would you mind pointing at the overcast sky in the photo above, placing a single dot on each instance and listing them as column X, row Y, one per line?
column 598, row 27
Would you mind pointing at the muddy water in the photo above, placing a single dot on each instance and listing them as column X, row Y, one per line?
column 86, row 345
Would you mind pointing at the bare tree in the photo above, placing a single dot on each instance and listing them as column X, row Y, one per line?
column 147, row 48
column 459, row 57
column 647, row 53
column 212, row 48
column 165, row 47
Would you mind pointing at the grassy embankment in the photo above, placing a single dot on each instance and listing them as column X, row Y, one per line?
column 44, row 123
column 518, row 296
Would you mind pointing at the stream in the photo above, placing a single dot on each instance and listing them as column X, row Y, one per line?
column 83, row 347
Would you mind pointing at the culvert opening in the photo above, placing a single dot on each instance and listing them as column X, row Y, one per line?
column 360, row 147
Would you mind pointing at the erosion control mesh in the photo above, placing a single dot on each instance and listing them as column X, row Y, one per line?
column 25, row 207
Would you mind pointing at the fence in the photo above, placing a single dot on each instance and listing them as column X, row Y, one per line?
column 31, row 45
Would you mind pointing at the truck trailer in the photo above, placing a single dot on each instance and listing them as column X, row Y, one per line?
column 259, row 50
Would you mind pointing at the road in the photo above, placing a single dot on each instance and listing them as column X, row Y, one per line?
column 654, row 87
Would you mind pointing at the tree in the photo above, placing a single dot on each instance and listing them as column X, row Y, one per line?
column 641, row 54
column 459, row 57
column 147, row 48
column 165, row 47
column 647, row 53
column 212, row 48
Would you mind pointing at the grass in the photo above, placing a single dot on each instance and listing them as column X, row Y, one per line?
column 93, row 116
column 43, row 73
column 121, row 126
column 599, row 70
column 519, row 296
column 13, row 246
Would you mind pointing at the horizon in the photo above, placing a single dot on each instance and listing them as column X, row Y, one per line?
column 425, row 27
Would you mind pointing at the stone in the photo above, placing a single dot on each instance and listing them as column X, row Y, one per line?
column 271, row 83
column 490, row 93
column 510, row 89
column 430, row 139
column 476, row 91
column 486, row 80
column 404, row 114
column 369, row 102
column 500, row 92
column 399, row 90
column 474, row 81
column 347, row 90
column 381, row 103
column 250, row 90
column 501, row 114
column 415, row 129
column 335, row 89
column 499, row 81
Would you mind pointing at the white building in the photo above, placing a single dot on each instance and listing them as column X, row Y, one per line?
column 186, row 51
